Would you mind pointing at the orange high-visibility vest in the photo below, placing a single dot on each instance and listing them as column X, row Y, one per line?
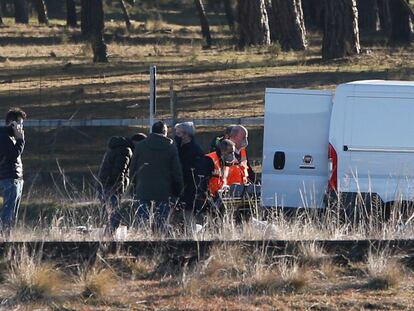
column 238, row 173
column 219, row 176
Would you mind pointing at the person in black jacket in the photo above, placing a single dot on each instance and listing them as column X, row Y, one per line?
column 190, row 154
column 114, row 175
column 11, row 168
column 157, row 176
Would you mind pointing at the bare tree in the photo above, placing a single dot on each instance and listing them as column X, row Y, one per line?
column 125, row 14
column 205, row 27
column 313, row 12
column 86, row 23
column 71, row 18
column 253, row 23
column 384, row 15
column 21, row 12
column 341, row 33
column 228, row 9
column 98, row 25
column 92, row 27
column 290, row 24
column 400, row 22
column 41, row 11
column 367, row 15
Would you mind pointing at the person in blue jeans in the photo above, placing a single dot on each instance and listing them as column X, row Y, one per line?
column 11, row 168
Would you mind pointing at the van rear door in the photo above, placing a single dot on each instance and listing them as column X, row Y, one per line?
column 295, row 147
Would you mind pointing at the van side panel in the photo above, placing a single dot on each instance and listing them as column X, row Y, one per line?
column 381, row 146
column 295, row 161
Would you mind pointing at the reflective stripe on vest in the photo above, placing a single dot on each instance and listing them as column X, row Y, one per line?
column 217, row 179
column 238, row 173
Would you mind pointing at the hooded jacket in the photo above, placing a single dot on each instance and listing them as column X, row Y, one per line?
column 114, row 170
column 11, row 149
column 156, row 169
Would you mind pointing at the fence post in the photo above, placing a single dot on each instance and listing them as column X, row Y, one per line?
column 153, row 95
column 173, row 103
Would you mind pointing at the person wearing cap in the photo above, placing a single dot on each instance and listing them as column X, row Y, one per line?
column 114, row 175
column 190, row 154
column 157, row 176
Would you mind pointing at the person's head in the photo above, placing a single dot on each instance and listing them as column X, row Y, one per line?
column 227, row 131
column 137, row 138
column 225, row 150
column 160, row 128
column 15, row 115
column 184, row 133
column 239, row 136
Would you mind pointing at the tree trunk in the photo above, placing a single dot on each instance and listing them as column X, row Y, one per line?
column 228, row 8
column 289, row 17
column 98, row 25
column 205, row 27
column 400, row 23
column 367, row 15
column 384, row 15
column 41, row 11
column 71, row 18
column 273, row 25
column 21, row 12
column 86, row 17
column 313, row 14
column 341, row 33
column 3, row 6
column 125, row 14
column 253, row 23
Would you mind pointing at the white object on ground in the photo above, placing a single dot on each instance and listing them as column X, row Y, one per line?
column 121, row 233
column 268, row 229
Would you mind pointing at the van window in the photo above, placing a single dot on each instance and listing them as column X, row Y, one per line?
column 382, row 122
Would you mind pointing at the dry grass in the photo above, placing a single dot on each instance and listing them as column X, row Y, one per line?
column 383, row 271
column 30, row 279
column 285, row 276
column 97, row 282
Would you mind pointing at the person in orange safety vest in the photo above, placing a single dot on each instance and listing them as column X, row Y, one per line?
column 239, row 171
column 219, row 166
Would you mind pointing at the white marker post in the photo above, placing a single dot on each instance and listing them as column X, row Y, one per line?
column 153, row 95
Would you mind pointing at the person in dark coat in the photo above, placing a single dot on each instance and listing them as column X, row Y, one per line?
column 114, row 175
column 11, row 168
column 190, row 154
column 157, row 175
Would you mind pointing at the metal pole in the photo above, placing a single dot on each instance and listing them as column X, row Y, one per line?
column 153, row 94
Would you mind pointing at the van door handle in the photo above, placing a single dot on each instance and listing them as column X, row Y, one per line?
column 345, row 147
column 279, row 160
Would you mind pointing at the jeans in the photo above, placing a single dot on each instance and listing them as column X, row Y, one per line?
column 155, row 212
column 111, row 202
column 11, row 190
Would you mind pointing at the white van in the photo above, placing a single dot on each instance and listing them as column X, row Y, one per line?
column 358, row 139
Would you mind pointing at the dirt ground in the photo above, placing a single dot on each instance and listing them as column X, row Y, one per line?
column 341, row 290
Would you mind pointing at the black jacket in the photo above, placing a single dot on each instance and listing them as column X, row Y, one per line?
column 190, row 155
column 156, row 169
column 11, row 149
column 114, row 171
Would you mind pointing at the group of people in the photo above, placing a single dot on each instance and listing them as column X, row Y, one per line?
column 163, row 173
column 172, row 176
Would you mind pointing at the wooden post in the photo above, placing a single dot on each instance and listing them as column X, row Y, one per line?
column 153, row 95
column 173, row 103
